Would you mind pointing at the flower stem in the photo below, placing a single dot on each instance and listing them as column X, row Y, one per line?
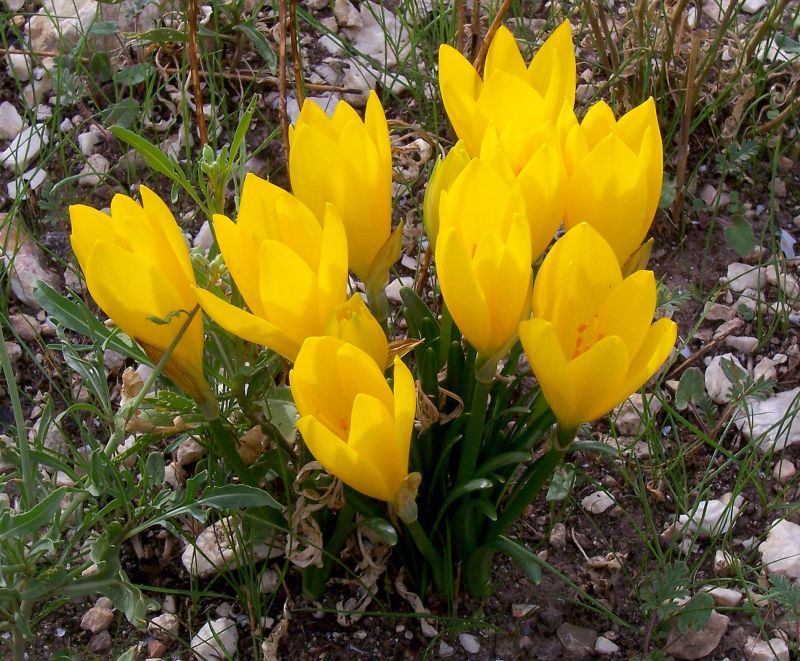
column 473, row 434
column 428, row 551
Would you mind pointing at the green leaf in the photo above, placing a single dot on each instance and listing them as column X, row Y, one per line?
column 691, row 389
column 667, row 194
column 28, row 523
column 122, row 113
column 78, row 318
column 153, row 156
column 133, row 75
column 259, row 42
column 696, row 612
column 739, row 235
column 477, row 484
column 104, row 28
column 236, row 496
column 383, row 530
column 529, row 562
column 281, row 411
column 161, row 36
column 561, row 483
column 154, row 469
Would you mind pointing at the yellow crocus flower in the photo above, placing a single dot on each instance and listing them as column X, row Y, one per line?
column 347, row 162
column 351, row 421
column 591, row 342
column 483, row 257
column 615, row 170
column 292, row 274
column 442, row 177
column 137, row 268
column 509, row 91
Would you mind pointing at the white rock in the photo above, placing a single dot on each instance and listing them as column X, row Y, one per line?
column 88, row 141
column 729, row 328
column 773, row 422
column 164, row 627
column 10, row 121
column 780, row 552
column 97, row 619
column 26, row 326
column 218, row 547
column 25, row 148
column 25, row 259
column 742, row 343
column 752, row 6
column 723, row 563
column 712, row 517
column 784, row 471
column 14, row 352
column 598, row 502
column 469, row 643
column 394, row 287
column 34, row 92
column 724, row 596
column 718, row 385
column 204, row 238
column 719, row 312
column 743, row 276
column 28, row 181
column 445, row 650
column 19, row 66
column 696, row 644
column 216, row 640
column 761, row 650
column 765, row 369
column 629, row 417
column 270, row 580
column 190, row 451
column 94, row 170
column 604, row 646
column 346, row 15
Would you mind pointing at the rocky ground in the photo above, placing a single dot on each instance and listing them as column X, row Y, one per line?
column 626, row 548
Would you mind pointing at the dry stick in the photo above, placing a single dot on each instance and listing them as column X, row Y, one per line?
column 597, row 33
column 675, row 23
column 777, row 10
column 790, row 109
column 284, row 119
column 194, row 66
column 424, row 264
column 460, row 26
column 494, row 27
column 475, row 26
column 683, row 137
column 298, row 71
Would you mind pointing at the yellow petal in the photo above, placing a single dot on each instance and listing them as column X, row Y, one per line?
column 598, row 123
column 628, row 310
column 442, row 178
column 462, row 293
column 88, row 226
column 240, row 252
column 597, row 378
column 248, row 326
column 358, row 372
column 549, row 365
column 353, row 323
column 504, row 55
column 332, row 270
column 378, row 130
column 372, row 439
column 608, row 191
column 506, row 98
column 652, row 353
column 340, row 460
column 639, row 130
column 552, row 71
column 460, row 86
column 543, row 182
column 405, row 408
column 155, row 208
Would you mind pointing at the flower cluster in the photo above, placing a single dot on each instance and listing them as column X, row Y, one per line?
column 523, row 167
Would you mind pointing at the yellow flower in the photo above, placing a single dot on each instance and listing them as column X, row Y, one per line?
column 615, row 171
column 590, row 342
column 509, row 91
column 483, row 257
column 350, row 419
column 444, row 174
column 346, row 162
column 291, row 272
column 137, row 268
column 530, row 158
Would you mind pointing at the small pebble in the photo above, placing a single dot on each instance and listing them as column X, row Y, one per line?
column 469, row 643
column 784, row 471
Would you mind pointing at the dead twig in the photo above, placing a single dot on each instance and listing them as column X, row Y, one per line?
column 460, row 26
column 194, row 68
column 475, row 27
column 296, row 62
column 683, row 136
column 493, row 28
column 423, row 270
column 282, row 114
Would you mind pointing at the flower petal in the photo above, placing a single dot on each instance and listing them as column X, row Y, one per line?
column 552, row 71
column 504, row 55
column 597, row 378
column 655, row 349
column 628, row 310
column 460, row 85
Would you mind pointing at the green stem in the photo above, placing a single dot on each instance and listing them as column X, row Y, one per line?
column 226, row 444
column 474, row 431
column 428, row 551
column 379, row 305
column 528, row 486
column 316, row 578
column 18, row 652
column 27, row 471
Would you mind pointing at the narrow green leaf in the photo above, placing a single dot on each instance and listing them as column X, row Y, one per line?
column 27, row 523
column 383, row 530
column 527, row 561
column 153, row 156
column 260, row 43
